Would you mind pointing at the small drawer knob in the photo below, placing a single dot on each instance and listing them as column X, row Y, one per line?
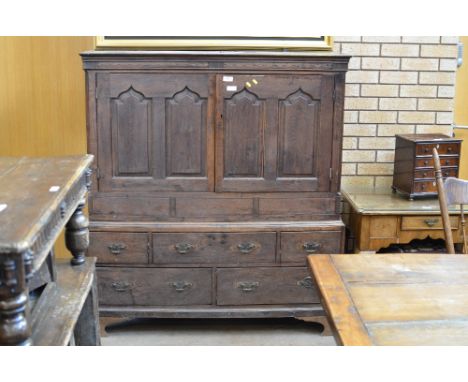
column 181, row 286
column 311, row 246
column 121, row 286
column 426, row 162
column 449, row 149
column 306, row 282
column 246, row 247
column 116, row 248
column 431, row 222
column 248, row 286
column 183, row 248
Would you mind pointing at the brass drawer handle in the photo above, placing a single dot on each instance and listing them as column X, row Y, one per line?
column 246, row 247
column 181, row 286
column 311, row 246
column 121, row 286
column 431, row 222
column 248, row 286
column 306, row 282
column 447, row 161
column 426, row 149
column 426, row 162
column 116, row 248
column 449, row 149
column 183, row 248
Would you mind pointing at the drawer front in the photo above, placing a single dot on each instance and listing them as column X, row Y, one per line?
column 426, row 222
column 154, row 286
column 444, row 162
column 264, row 286
column 430, row 173
column 449, row 148
column 296, row 246
column 119, row 248
column 425, row 186
column 214, row 248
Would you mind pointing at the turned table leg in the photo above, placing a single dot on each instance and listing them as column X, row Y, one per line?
column 77, row 235
column 14, row 326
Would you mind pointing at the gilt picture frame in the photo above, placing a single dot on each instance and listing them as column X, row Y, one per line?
column 214, row 43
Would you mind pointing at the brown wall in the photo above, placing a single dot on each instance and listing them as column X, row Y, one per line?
column 42, row 98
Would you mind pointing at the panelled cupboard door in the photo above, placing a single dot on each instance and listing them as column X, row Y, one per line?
column 155, row 132
column 274, row 132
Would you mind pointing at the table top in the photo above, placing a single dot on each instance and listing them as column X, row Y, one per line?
column 395, row 299
column 31, row 190
column 382, row 201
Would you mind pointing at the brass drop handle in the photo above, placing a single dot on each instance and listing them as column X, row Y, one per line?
column 183, row 248
column 248, row 286
column 423, row 186
column 426, row 162
column 306, row 282
column 449, row 149
column 121, row 286
column 424, row 174
column 431, row 222
column 447, row 161
column 181, row 286
column 246, row 247
column 311, row 246
column 116, row 248
column 426, row 149
column 446, row 174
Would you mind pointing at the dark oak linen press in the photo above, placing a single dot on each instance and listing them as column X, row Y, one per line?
column 217, row 173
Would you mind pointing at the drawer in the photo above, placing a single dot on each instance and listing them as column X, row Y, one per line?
column 265, row 286
column 295, row 246
column 214, row 248
column 430, row 173
column 154, row 286
column 425, row 186
column 119, row 247
column 448, row 148
column 444, row 162
column 426, row 222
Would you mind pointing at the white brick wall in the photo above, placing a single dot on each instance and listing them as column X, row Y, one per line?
column 395, row 85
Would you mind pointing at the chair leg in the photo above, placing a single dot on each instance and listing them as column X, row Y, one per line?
column 465, row 244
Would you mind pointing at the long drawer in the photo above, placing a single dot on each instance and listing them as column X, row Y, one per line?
column 426, row 222
column 119, row 247
column 444, row 162
column 296, row 246
column 430, row 173
column 214, row 248
column 154, row 286
column 266, row 285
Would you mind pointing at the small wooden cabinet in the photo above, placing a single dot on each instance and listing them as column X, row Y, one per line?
column 217, row 173
column 414, row 166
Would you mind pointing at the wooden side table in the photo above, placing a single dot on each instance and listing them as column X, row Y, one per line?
column 377, row 218
column 43, row 302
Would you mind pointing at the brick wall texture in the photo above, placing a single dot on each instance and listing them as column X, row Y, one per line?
column 395, row 85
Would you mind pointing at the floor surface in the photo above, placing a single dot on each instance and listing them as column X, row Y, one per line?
column 216, row 332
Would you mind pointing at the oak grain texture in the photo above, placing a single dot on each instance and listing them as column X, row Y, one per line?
column 394, row 299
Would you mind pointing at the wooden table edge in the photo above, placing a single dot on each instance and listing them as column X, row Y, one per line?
column 347, row 324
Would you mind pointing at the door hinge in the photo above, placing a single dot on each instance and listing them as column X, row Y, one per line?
column 331, row 174
column 334, row 94
column 98, row 174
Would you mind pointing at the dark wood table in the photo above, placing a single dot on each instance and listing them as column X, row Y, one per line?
column 394, row 299
column 43, row 301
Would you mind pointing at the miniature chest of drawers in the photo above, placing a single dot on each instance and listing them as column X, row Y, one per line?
column 414, row 166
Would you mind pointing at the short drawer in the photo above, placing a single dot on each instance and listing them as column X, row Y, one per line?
column 296, row 246
column 262, row 286
column 425, row 186
column 448, row 148
column 154, row 286
column 444, row 162
column 214, row 248
column 430, row 173
column 118, row 247
column 426, row 222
